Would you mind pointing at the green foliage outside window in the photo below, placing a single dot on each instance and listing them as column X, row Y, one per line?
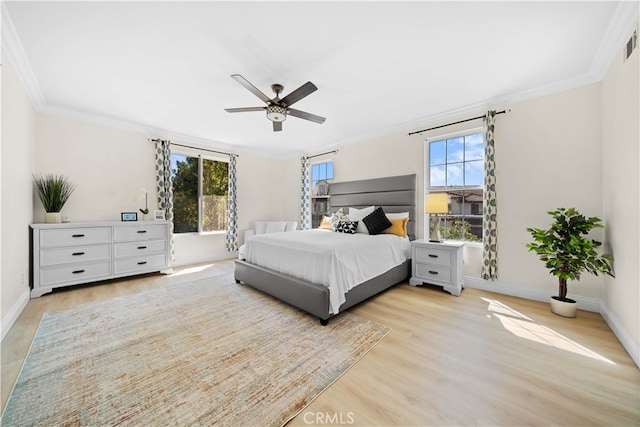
column 215, row 190
column 457, row 229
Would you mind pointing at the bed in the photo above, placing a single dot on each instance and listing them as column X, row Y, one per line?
column 287, row 279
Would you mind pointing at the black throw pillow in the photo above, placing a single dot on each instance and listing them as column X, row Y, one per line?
column 376, row 221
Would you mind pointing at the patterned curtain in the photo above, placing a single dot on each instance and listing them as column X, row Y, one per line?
column 489, row 235
column 164, row 186
column 232, row 214
column 305, row 202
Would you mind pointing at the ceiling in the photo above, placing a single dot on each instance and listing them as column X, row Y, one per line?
column 380, row 67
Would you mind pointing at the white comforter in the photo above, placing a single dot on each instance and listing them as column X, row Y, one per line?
column 337, row 260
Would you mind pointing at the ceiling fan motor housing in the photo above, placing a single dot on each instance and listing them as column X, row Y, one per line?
column 276, row 113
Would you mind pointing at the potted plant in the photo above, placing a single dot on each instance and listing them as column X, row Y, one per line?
column 54, row 191
column 567, row 253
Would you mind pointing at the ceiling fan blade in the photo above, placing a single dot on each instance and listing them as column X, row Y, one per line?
column 277, row 126
column 298, row 94
column 304, row 115
column 251, row 88
column 244, row 109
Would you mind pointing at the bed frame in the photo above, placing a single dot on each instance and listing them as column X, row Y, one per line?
column 394, row 194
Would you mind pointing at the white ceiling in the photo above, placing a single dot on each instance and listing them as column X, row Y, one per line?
column 380, row 67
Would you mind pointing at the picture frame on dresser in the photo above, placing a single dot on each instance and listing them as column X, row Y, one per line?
column 129, row 216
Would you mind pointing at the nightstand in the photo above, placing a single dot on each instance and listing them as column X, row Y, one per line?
column 437, row 264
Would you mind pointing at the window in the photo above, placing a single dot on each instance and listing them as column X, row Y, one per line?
column 200, row 193
column 456, row 167
column 321, row 177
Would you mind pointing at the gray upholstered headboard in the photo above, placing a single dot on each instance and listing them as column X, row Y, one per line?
column 394, row 194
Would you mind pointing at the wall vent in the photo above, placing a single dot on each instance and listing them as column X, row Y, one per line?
column 631, row 45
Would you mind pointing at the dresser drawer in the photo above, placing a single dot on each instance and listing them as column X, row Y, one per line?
column 125, row 249
column 72, row 254
column 74, row 274
column 426, row 272
column 140, row 263
column 434, row 256
column 74, row 236
column 139, row 232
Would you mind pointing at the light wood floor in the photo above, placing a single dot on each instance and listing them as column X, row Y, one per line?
column 477, row 359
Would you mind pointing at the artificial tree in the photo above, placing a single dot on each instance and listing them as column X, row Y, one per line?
column 565, row 249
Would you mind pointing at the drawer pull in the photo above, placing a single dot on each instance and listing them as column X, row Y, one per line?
column 77, row 271
column 142, row 262
column 77, row 253
column 77, row 235
column 433, row 272
column 142, row 231
column 433, row 256
column 142, row 247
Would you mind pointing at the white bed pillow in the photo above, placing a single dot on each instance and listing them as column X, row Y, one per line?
column 337, row 217
column 357, row 215
column 260, row 227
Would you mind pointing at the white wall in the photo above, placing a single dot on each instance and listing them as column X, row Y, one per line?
column 548, row 155
column 110, row 165
column 17, row 165
column 621, row 181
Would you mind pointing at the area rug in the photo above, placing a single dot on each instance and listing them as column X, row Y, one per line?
column 208, row 352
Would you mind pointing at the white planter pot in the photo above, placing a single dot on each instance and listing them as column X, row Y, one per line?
column 564, row 308
column 52, row 217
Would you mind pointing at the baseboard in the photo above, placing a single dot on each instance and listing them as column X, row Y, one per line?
column 202, row 260
column 627, row 341
column 12, row 316
column 584, row 303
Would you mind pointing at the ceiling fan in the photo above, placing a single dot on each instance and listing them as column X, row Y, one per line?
column 278, row 109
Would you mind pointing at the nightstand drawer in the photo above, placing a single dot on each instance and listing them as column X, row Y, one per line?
column 437, row 263
column 75, row 254
column 441, row 274
column 434, row 256
column 75, row 236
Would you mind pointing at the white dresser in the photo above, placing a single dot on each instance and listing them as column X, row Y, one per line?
column 75, row 253
column 437, row 264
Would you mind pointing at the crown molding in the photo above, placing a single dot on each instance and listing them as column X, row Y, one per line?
column 154, row 131
column 624, row 20
column 15, row 56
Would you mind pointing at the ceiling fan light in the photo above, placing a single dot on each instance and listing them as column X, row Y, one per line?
column 276, row 113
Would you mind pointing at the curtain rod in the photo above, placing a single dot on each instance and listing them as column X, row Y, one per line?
column 455, row 123
column 321, row 154
column 195, row 148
